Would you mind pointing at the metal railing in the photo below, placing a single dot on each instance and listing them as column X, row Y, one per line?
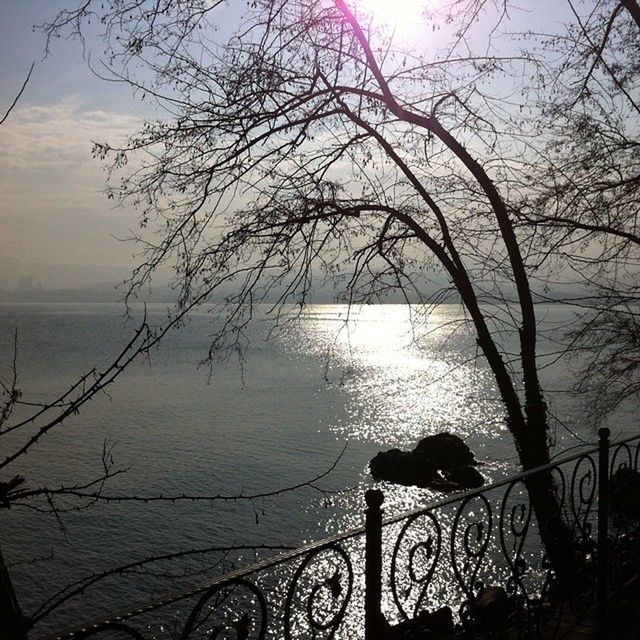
column 473, row 564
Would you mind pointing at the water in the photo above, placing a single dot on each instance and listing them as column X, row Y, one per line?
column 369, row 378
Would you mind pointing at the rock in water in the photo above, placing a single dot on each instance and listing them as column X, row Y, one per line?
column 443, row 452
column 466, row 477
column 403, row 467
column 447, row 450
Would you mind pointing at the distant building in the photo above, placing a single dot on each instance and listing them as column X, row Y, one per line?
column 27, row 283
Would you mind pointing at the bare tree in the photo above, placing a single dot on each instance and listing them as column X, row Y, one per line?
column 584, row 187
column 309, row 146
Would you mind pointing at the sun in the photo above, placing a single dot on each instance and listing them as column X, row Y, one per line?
column 395, row 14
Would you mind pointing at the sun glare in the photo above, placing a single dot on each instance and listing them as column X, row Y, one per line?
column 395, row 14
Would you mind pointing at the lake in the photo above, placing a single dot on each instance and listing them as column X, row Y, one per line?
column 368, row 378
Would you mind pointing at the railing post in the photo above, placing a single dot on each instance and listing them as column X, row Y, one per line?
column 373, row 566
column 603, row 524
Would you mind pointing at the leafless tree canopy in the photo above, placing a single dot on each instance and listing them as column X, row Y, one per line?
column 306, row 146
column 303, row 145
column 583, row 192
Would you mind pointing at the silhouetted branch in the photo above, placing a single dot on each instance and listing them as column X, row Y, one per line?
column 78, row 587
column 84, row 389
column 15, row 100
column 10, row 392
column 81, row 491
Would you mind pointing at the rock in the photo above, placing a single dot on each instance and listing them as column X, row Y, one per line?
column 624, row 490
column 385, row 461
column 492, row 604
column 464, row 477
column 427, row 625
column 442, row 452
column 446, row 450
column 403, row 467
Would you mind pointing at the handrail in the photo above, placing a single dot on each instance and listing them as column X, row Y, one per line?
column 436, row 504
column 176, row 596
column 273, row 561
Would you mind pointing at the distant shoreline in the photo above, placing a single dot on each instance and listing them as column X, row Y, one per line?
column 110, row 296
column 63, row 295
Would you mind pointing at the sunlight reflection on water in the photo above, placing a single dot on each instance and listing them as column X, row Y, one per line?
column 407, row 374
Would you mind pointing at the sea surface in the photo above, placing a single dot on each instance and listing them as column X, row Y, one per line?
column 333, row 388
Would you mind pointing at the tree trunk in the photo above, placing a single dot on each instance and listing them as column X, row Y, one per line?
column 13, row 623
column 528, row 423
column 528, row 427
column 556, row 533
column 634, row 9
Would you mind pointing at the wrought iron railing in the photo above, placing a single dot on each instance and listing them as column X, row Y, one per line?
column 470, row 565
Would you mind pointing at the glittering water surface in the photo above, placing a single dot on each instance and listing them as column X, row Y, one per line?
column 376, row 377
column 405, row 374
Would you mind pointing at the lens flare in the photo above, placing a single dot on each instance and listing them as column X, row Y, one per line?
column 401, row 15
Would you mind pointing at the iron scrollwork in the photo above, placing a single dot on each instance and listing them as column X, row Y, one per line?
column 514, row 529
column 237, row 606
column 424, row 535
column 629, row 461
column 311, row 590
column 324, row 583
column 583, row 494
column 469, row 548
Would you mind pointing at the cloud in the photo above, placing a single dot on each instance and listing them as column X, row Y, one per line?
column 52, row 208
column 59, row 135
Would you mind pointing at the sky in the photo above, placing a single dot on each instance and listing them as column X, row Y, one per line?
column 57, row 229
